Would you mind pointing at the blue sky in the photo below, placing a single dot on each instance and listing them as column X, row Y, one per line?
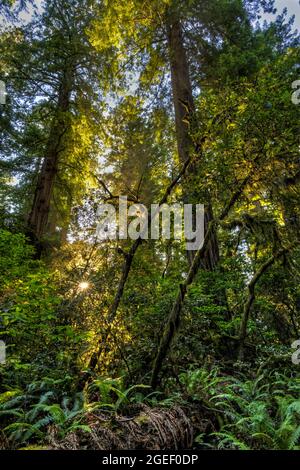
column 292, row 6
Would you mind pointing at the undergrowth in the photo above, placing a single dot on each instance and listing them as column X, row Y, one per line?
column 261, row 412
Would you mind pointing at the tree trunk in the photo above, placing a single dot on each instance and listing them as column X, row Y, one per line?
column 173, row 321
column 251, row 297
column 39, row 214
column 101, row 344
column 184, row 118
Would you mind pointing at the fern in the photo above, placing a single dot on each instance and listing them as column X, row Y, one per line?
column 263, row 413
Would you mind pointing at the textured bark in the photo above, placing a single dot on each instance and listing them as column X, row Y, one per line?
column 182, row 90
column 39, row 214
column 174, row 317
column 184, row 118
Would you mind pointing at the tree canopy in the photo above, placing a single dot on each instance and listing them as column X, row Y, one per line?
column 160, row 102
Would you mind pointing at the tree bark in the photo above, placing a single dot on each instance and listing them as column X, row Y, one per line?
column 39, row 214
column 173, row 321
column 124, row 276
column 184, row 121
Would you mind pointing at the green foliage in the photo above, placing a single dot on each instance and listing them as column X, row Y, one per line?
column 114, row 396
column 15, row 256
column 35, row 409
column 99, row 73
column 27, row 415
column 258, row 413
column 30, row 325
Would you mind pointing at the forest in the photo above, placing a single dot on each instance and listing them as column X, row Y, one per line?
column 113, row 336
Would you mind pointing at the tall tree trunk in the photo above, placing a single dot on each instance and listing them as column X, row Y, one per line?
column 39, row 214
column 184, row 117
